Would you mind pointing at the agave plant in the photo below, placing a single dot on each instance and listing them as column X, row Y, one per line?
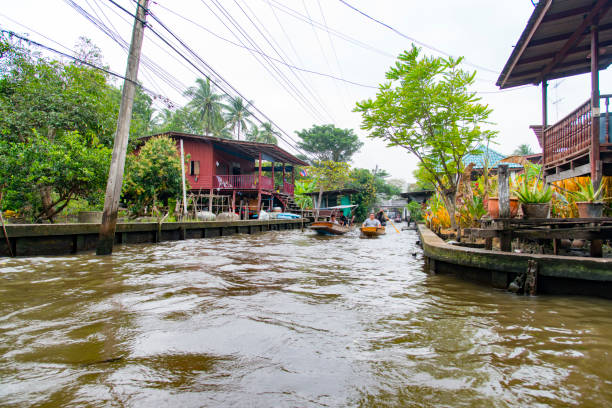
column 587, row 193
column 537, row 193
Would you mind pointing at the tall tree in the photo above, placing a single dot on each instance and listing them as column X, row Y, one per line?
column 523, row 150
column 329, row 175
column 428, row 109
column 330, row 143
column 65, row 111
column 153, row 176
column 267, row 134
column 238, row 116
column 205, row 103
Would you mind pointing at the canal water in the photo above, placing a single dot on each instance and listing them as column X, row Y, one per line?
column 288, row 319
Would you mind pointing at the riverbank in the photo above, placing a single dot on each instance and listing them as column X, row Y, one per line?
column 568, row 275
column 61, row 239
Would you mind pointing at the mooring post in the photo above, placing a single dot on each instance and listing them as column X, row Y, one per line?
column 503, row 191
column 115, row 175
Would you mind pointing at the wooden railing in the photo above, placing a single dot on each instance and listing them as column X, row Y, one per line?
column 241, row 182
column 288, row 188
column 267, row 183
column 571, row 136
column 231, row 182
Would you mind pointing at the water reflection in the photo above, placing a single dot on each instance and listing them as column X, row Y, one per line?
column 288, row 319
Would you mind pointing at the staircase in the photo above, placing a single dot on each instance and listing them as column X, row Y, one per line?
column 289, row 204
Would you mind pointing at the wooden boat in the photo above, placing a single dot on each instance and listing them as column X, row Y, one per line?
column 372, row 231
column 329, row 228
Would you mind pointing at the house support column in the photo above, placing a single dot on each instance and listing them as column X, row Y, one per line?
column 273, row 179
column 284, row 178
column 210, row 200
column 293, row 175
column 259, row 187
column 596, row 171
column 544, row 121
column 233, row 201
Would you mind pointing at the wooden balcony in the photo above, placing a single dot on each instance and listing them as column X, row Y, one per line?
column 248, row 182
column 569, row 145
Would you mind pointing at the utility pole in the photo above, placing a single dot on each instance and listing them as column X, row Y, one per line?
column 115, row 175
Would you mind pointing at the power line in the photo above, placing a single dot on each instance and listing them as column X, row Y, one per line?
column 309, row 71
column 215, row 73
column 284, row 81
column 431, row 47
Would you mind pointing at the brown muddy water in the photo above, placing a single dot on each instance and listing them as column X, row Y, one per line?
column 287, row 319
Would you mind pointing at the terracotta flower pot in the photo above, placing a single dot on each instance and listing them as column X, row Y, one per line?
column 493, row 207
column 533, row 210
column 588, row 209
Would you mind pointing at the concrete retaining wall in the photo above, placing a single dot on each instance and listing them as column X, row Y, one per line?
column 556, row 274
column 60, row 239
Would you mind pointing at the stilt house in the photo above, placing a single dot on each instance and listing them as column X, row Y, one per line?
column 229, row 175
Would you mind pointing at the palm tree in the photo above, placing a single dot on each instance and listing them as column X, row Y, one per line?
column 267, row 134
column 523, row 150
column 220, row 129
column 238, row 115
column 253, row 134
column 205, row 103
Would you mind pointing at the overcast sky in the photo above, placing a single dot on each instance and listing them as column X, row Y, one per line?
column 358, row 50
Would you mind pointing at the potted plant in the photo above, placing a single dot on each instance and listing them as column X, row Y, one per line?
column 535, row 199
column 589, row 201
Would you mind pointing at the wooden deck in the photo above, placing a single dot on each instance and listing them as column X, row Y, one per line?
column 571, row 149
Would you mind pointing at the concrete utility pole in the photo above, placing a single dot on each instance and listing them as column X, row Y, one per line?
column 115, row 175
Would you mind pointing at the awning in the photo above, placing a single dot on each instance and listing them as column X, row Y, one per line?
column 556, row 42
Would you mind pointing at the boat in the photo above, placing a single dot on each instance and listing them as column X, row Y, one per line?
column 372, row 231
column 329, row 228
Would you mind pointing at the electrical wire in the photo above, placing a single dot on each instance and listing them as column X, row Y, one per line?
column 421, row 43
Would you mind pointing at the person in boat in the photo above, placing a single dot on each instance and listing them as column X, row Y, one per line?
column 380, row 216
column 343, row 220
column 372, row 221
column 333, row 219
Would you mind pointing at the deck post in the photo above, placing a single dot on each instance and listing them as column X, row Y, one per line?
column 273, row 179
column 503, row 191
column 293, row 175
column 210, row 200
column 234, row 201
column 544, row 122
column 595, row 111
column 259, row 186
column 284, row 178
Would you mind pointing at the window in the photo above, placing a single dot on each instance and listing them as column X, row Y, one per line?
column 194, row 168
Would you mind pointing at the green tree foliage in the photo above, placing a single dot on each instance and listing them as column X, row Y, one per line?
column 330, row 175
column 263, row 134
column 67, row 167
column 62, row 117
column 523, row 150
column 153, row 175
column 238, row 116
column 206, row 104
column 330, row 143
column 427, row 108
column 370, row 185
column 302, row 188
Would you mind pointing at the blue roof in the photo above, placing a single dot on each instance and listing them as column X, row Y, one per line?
column 491, row 155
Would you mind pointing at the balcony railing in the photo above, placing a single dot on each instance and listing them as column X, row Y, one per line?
column 288, row 188
column 571, row 136
column 231, row 182
column 241, row 182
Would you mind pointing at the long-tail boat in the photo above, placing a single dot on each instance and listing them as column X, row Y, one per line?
column 329, row 228
column 372, row 231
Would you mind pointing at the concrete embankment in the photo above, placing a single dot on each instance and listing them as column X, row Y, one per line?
column 556, row 274
column 60, row 239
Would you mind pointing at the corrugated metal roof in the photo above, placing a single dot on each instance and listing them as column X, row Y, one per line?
column 489, row 155
column 556, row 42
column 251, row 149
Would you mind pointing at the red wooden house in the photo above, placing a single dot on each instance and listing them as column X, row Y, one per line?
column 234, row 168
column 564, row 38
